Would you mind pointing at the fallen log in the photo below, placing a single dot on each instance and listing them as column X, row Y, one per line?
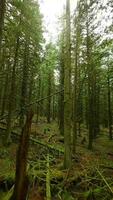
column 49, row 146
column 33, row 140
column 106, row 167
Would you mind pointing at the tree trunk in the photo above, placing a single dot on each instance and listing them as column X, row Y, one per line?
column 4, row 100
column 2, row 70
column 49, row 98
column 24, row 93
column 30, row 88
column 97, row 111
column 75, row 102
column 53, row 104
column 109, row 108
column 61, row 96
column 90, row 86
column 21, row 179
column 12, row 92
column 38, row 97
column 2, row 12
column 67, row 92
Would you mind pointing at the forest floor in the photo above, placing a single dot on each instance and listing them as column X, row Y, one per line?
column 90, row 178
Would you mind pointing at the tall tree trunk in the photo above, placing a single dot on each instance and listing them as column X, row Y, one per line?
column 38, row 97
column 42, row 113
column 2, row 70
column 90, row 85
column 53, row 104
column 61, row 96
column 97, row 110
column 109, row 108
column 67, row 92
column 30, row 88
column 2, row 12
column 24, row 93
column 75, row 101
column 76, row 77
column 49, row 98
column 4, row 100
column 12, row 91
column 21, row 179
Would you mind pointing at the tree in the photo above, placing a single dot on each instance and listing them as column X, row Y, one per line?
column 67, row 91
column 2, row 12
column 12, row 92
column 61, row 83
column 24, row 93
column 109, row 106
column 91, row 68
column 77, row 38
column 21, row 179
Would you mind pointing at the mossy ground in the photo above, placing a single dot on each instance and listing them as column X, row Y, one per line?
column 82, row 182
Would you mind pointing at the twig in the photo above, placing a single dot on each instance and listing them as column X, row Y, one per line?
column 48, row 189
column 18, row 112
column 105, row 181
column 38, row 101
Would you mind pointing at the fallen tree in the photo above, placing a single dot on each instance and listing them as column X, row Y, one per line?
column 15, row 134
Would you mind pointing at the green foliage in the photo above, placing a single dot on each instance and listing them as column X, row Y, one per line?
column 67, row 196
column 7, row 195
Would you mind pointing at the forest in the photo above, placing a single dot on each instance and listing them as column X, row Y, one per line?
column 56, row 101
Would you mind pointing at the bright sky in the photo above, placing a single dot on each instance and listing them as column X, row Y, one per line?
column 52, row 9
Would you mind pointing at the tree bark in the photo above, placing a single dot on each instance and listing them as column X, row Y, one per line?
column 109, row 108
column 12, row 91
column 67, row 92
column 24, row 91
column 38, row 97
column 49, row 99
column 2, row 12
column 90, row 85
column 21, row 179
column 61, row 96
column 4, row 100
